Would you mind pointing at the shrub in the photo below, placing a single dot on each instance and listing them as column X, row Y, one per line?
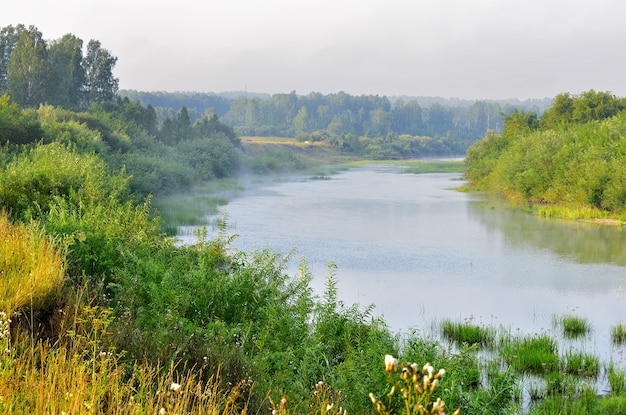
column 32, row 182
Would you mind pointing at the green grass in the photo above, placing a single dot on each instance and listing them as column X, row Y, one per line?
column 616, row 378
column 572, row 327
column 532, row 354
column 179, row 210
column 585, row 213
column 618, row 334
column 583, row 364
column 421, row 167
column 467, row 333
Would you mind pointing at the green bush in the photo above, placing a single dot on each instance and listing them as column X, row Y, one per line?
column 35, row 179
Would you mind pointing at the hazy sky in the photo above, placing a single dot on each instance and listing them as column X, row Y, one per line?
column 451, row 48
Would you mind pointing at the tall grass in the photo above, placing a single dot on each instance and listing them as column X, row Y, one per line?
column 81, row 374
column 32, row 268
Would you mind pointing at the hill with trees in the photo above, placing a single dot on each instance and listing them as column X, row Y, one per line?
column 573, row 156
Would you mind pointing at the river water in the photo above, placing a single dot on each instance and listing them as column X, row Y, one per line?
column 421, row 252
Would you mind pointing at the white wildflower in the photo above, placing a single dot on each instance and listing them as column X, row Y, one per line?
column 391, row 363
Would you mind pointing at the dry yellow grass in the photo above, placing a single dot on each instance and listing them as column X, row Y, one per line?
column 283, row 140
column 80, row 374
column 32, row 268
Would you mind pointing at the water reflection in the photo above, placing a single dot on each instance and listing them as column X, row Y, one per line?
column 585, row 243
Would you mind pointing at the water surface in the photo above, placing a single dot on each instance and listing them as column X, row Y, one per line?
column 421, row 252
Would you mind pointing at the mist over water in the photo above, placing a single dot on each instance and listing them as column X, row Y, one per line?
column 422, row 252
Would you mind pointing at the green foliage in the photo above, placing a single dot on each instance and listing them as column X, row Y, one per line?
column 519, row 122
column 36, row 179
column 405, row 127
column 27, row 71
column 16, row 126
column 588, row 106
column 34, row 71
column 275, row 160
column 577, row 164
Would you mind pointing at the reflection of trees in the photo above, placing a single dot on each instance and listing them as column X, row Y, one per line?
column 585, row 242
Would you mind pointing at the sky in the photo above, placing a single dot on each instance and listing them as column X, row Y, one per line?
column 467, row 49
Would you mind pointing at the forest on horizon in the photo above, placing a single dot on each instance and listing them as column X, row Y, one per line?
column 371, row 125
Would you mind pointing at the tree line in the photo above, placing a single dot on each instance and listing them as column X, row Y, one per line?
column 34, row 70
column 369, row 125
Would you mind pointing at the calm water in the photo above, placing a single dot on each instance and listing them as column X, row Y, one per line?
column 421, row 252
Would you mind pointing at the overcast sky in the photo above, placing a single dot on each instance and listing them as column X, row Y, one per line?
column 475, row 49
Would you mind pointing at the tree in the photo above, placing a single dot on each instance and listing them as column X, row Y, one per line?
column 439, row 120
column 17, row 126
column 27, row 74
column 520, row 122
column 67, row 75
column 301, row 121
column 9, row 36
column 560, row 112
column 100, row 82
column 592, row 105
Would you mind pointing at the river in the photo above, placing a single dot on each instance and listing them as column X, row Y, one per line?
column 421, row 252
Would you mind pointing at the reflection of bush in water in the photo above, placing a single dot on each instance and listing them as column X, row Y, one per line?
column 586, row 242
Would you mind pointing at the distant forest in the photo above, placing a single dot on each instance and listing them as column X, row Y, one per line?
column 65, row 74
column 370, row 125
